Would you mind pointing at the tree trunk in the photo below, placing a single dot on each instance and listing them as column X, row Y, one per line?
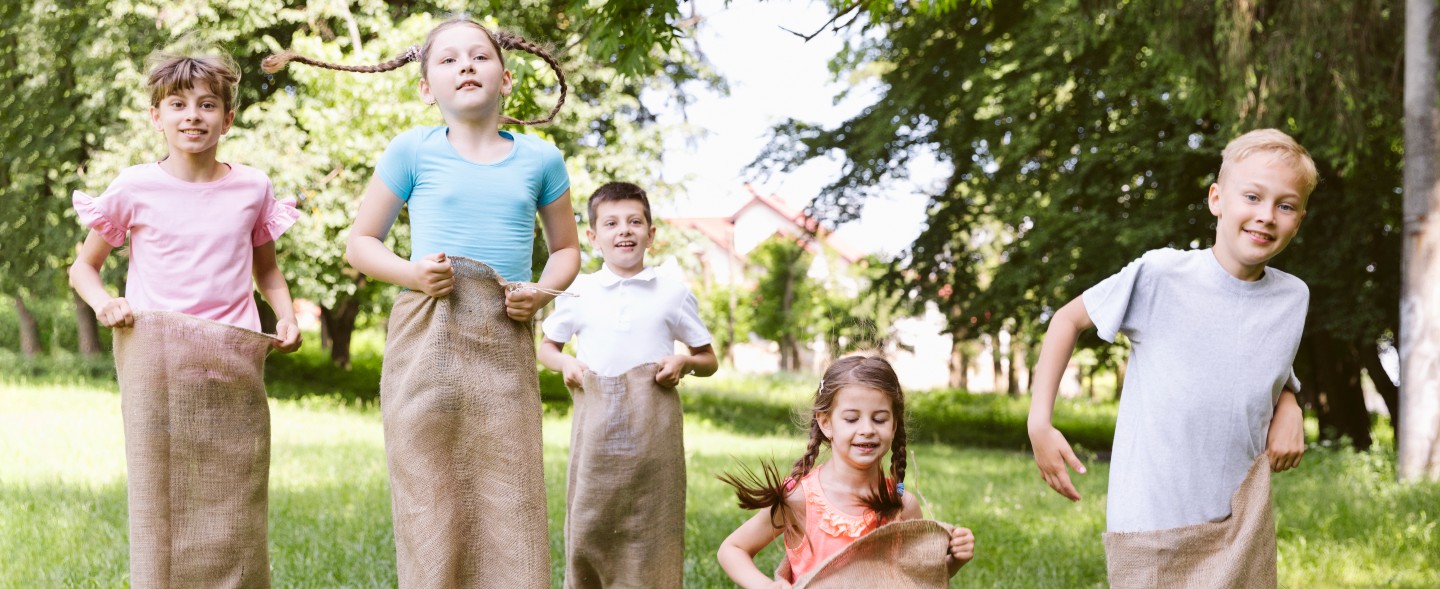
column 1120, row 377
column 87, row 329
column 1383, row 385
column 337, row 326
column 1419, row 434
column 1012, row 376
column 998, row 377
column 29, row 330
column 1341, row 408
column 959, row 364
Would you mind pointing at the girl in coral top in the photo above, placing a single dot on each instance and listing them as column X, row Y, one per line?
column 859, row 412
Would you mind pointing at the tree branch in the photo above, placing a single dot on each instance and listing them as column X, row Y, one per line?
column 851, row 8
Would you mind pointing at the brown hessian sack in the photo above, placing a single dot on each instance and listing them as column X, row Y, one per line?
column 461, row 405
column 1237, row 552
column 197, row 451
column 901, row 555
column 625, row 500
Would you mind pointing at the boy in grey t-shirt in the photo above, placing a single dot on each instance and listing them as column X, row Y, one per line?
column 1213, row 332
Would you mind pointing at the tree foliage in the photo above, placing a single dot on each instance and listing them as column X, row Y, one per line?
column 1081, row 133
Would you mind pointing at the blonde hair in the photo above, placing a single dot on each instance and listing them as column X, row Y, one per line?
column 1276, row 142
column 172, row 74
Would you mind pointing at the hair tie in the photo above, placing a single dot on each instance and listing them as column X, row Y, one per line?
column 900, row 488
column 412, row 53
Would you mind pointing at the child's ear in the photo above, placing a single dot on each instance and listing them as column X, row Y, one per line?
column 425, row 95
column 229, row 120
column 590, row 235
column 1213, row 199
column 155, row 119
column 823, row 420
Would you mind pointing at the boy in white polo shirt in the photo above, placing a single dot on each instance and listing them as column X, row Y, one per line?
column 625, row 502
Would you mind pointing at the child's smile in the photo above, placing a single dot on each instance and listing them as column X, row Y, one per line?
column 621, row 233
column 860, row 426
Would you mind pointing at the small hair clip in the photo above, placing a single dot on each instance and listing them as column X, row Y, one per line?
column 514, row 286
column 900, row 488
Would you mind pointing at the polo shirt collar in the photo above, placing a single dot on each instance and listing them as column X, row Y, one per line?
column 608, row 278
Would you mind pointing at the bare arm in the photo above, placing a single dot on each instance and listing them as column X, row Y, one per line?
column 273, row 287
column 563, row 240
column 552, row 355
column 701, row 362
column 737, row 552
column 1052, row 451
column 85, row 279
column 366, row 251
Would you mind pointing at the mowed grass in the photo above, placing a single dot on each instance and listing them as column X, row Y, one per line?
column 1342, row 520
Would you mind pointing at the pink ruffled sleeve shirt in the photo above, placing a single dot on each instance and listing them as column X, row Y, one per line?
column 191, row 244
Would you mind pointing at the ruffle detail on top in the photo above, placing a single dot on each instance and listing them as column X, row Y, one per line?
column 282, row 216
column 837, row 523
column 93, row 217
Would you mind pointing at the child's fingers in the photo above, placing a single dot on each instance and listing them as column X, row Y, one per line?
column 1071, row 459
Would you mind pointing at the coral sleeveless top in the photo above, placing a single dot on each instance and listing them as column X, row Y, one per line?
column 827, row 529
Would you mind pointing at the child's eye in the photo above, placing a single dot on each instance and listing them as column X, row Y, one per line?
column 1252, row 198
column 446, row 59
column 1287, row 207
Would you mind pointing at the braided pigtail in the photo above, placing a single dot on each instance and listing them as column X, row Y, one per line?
column 768, row 490
column 278, row 61
column 512, row 41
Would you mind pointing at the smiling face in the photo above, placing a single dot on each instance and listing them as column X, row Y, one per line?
column 860, row 426
column 192, row 120
column 464, row 72
column 621, row 233
column 1259, row 202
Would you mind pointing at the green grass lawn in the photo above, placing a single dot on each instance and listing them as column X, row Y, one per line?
column 1342, row 520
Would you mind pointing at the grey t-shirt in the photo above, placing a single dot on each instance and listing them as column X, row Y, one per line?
column 1210, row 355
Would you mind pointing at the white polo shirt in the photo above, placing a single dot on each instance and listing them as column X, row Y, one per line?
column 625, row 322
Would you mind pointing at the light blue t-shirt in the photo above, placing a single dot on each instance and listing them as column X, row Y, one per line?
column 480, row 211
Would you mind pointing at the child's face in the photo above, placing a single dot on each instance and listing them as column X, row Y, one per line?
column 464, row 74
column 1259, row 204
column 860, row 426
column 622, row 234
column 192, row 120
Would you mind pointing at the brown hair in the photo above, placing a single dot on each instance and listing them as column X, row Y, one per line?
column 500, row 39
column 768, row 490
column 618, row 191
column 1276, row 142
column 173, row 74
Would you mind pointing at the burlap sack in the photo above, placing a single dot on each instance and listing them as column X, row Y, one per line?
column 902, row 555
column 1236, row 552
column 197, row 451
column 625, row 501
column 461, row 406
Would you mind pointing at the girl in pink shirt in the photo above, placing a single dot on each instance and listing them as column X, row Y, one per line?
column 199, row 229
column 859, row 411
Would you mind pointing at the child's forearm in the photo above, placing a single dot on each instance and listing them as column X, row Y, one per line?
column 702, row 361
column 85, row 279
column 552, row 355
column 560, row 270
column 271, row 282
column 1060, row 337
column 369, row 255
column 741, row 568
column 85, row 272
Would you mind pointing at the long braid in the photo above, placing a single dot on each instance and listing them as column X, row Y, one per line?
column 503, row 40
column 512, row 41
column 278, row 61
